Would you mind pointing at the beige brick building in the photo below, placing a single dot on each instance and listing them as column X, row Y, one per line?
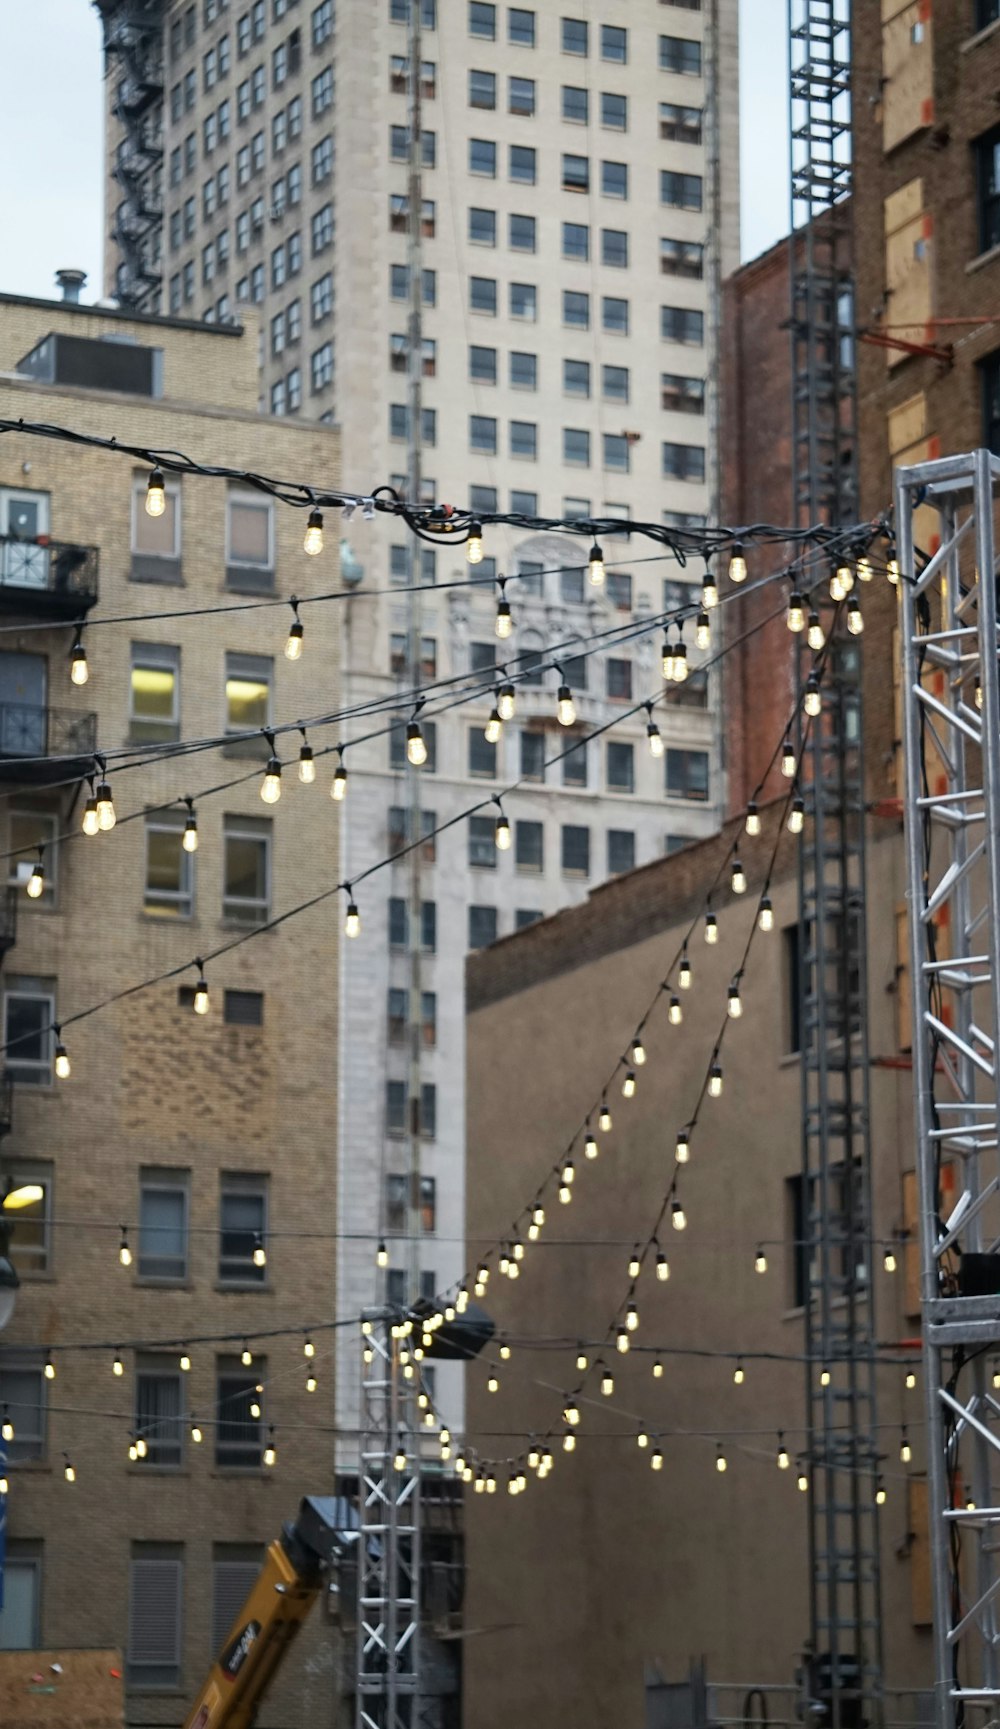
column 196, row 1134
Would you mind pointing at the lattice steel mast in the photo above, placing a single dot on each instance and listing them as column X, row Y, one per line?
column 843, row 1669
column 133, row 48
column 388, row 1656
column 951, row 725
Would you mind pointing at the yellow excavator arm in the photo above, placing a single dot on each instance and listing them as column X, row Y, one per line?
column 291, row 1578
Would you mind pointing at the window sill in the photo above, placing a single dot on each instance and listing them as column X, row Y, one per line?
column 138, row 1470
column 242, row 1286
column 149, row 1282
column 227, row 924
column 982, row 35
column 242, row 579
column 983, row 258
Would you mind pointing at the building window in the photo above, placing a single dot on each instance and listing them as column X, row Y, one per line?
column 620, row 766
column 574, row 36
column 483, row 19
column 614, row 248
column 682, row 258
column 249, row 541
column 482, row 927
column 987, row 12
column 682, row 324
column 483, row 365
column 529, row 843
column 576, row 240
column 521, row 96
column 576, row 309
column 27, row 830
column 621, row 851
column 31, row 1244
column 614, row 112
column 399, row 924
column 618, row 674
column 684, row 461
column 987, row 149
column 155, row 1608
column 321, row 298
column 246, row 897
column 169, row 882
column 483, row 433
column 687, row 775
column 521, row 233
column 321, row 160
column 482, row 758
column 242, row 1227
column 482, row 227
column 680, row 191
column 154, row 693
column 680, row 54
column 575, row 850
column 322, row 23
column 575, row 104
column 522, row 164
column 616, row 452
column 235, row 1569
column 321, row 367
column 576, row 446
column 576, row 377
column 482, row 843
column 239, row 1431
column 29, row 1012
column 483, row 157
column 682, row 395
column 321, row 229
column 483, row 294
column 249, row 682
column 523, row 433
column 680, row 125
column 532, row 756
column 614, row 179
column 521, row 27
column 23, row 1401
column 164, row 1202
column 158, row 1408
column 482, row 90
column 576, row 173
column 614, row 314
column 524, row 301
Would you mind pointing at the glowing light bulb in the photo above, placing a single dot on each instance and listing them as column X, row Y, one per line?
column 201, row 996
column 79, row 671
column 569, row 1442
column 678, row 1217
column 259, row 1256
column 571, row 1413
column 246, row 1355
column 737, row 564
column 655, row 738
column 752, row 824
column 50, row 1369
column 313, row 540
column 737, row 878
column 715, row 1081
column 607, row 1383
column 662, row 1267
column 474, row 543
column 307, row 765
column 141, row 1448
column 824, row 1376
column 595, row 566
column 117, row 1369
column 270, row 1454
column 638, row 1052
column 62, row 1062
column 493, row 1382
column 416, row 746
column 590, row 1146
column 892, row 571
column 855, row 621
column 568, row 1171
column 381, row 1256
column 711, row 929
column 352, row 920
column 889, row 1261
column 682, row 1150
column 184, row 1363
column 565, row 1194
column 760, row 1261
column 739, row 1374
column 270, row 786
column 634, row 1263
column 90, row 823
column 504, row 624
column 501, row 833
column 734, row 1005
column 69, row 1473
column 802, row 1480
column 796, row 815
column 156, row 494
column 680, row 663
column 702, row 631
column 880, row 1493
column 783, row 1460
column 632, row 1318
column 905, row 1450
column 709, row 592
column 105, row 808
column 788, row 759
column 189, row 840
column 815, row 634
column 622, row 1340
column 864, row 569
column 196, row 1433
column 124, row 1252
column 720, row 1458
column 684, row 974
column 604, row 1120
column 294, row 640
column 338, row 786
column 667, row 659
column 911, row 1381
column 505, row 701
column 812, row 701
column 675, row 1014
column 311, row 1382
column 657, row 1369
column 656, row 1460
column 795, row 617
column 765, row 917
column 493, row 730
column 628, row 1085
column 565, row 706
column 582, row 1360
column 133, row 1451
column 642, row 1439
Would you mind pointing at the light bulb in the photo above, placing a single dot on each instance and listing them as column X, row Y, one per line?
column 709, row 592
column 582, row 1361
column 737, row 564
column 133, row 1451
column 4, row 1485
column 313, row 541
column 796, row 815
column 62, row 1062
column 352, row 920
column 642, row 1439
column 201, row 996
column 505, row 702
column 711, row 929
column 604, row 1120
column 501, row 833
column 662, row 1267
column 656, row 1460
column 270, row 786
column 338, row 786
column 571, row 1413
column 892, row 571
column 802, row 1480
column 493, row 1383
column 680, row 663
column 739, row 1375
column 638, row 1052
column 667, row 659
column 595, row 566
column 105, row 808
column 765, row 917
column 634, row 1265
column 815, row 634
column 734, row 1005
column 607, row 1383
column 720, row 1459
column 812, row 701
column 50, row 1369
column 504, row 625
column 141, row 1448
column 382, row 1256
column 845, row 576
column 622, row 1340
column 682, row 1150
column 90, row 823
column 684, row 973
column 493, row 730
column 678, row 1217
column 184, row 1363
column 703, row 631
column 632, row 1318
column 795, row 618
column 628, row 1085
column 655, row 738
column 889, row 1261
column 259, row 1254
column 565, row 1194
column 675, row 1014
column 293, row 643
column 864, row 570
column 838, row 588
column 474, row 543
column 416, row 747
column 911, row 1381
column 79, row 671
column 657, row 1369
column 590, row 1146
column 760, row 1261
column 307, row 765
column 977, row 695
column 782, row 1455
column 246, row 1355
column 124, row 1252
column 565, row 707
column 517, row 1250
column 117, row 1368
column 752, row 823
column 824, row 1376
column 737, row 878
column 311, row 1383
column 880, row 1494
column 569, row 1442
column 568, row 1171
column 905, row 1450
column 189, row 840
column 270, row 1455
column 788, row 759
column 537, row 1218
column 196, row 1434
column 69, row 1473
column 715, row 1081
column 156, row 494
column 855, row 621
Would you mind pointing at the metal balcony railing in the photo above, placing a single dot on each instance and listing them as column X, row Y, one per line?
column 29, row 734
column 52, row 575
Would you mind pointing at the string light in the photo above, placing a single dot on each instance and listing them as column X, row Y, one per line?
column 311, row 1382
column 201, row 1004
column 642, row 1439
column 656, row 1460
column 675, row 1014
column 720, row 1457
column 68, row 1471
column 795, row 617
column 801, row 1479
column 815, row 634
column 739, row 1373
column 678, row 1218
column 501, row 830
column 581, row 1360
column 737, row 878
column 782, row 1452
column 416, row 744
column 657, row 1369
column 892, row 570
column 571, row 1413
column 638, row 1052
column 788, row 764
column 196, row 1434
column 684, row 971
column 628, row 1085
column 607, row 1382
column 765, row 916
column 889, row 1260
column 864, row 570
column 604, row 1120
column 504, row 623
column 156, row 494
column 312, row 542
column 189, row 839
column 493, row 729
column 61, row 1063
column 270, row 1451
column 812, row 701
column 734, row 1005
column 338, row 786
column 474, row 543
column 105, row 808
column 50, row 1369
column 703, row 631
column 737, row 564
column 752, row 824
column 905, row 1450
column 709, row 591
column 184, row 1362
column 824, row 1376
column 682, row 1151
column 90, row 823
column 270, row 786
column 667, row 658
column 568, row 1171
column 911, row 1380
column 493, row 1382
column 662, row 1266
column 653, row 733
column 855, row 621
column 795, row 821
column 296, row 634
column 632, row 1318
column 352, row 918
column 595, row 566
column 879, row 1492
column 569, row 1442
column 715, row 1081
column 382, row 1255
column 634, row 1263
column 565, row 707
column 841, row 582
column 622, row 1340
column 124, row 1252
column 760, row 1260
column 6, row 1427
column 711, row 928
column 506, row 700
column 590, row 1146
column 307, row 763
column 259, row 1252
column 680, row 658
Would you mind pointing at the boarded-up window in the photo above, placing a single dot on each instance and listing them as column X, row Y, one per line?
column 908, row 264
column 156, row 1577
column 907, row 70
column 235, row 1567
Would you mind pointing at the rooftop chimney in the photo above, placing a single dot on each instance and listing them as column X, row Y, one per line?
column 71, row 282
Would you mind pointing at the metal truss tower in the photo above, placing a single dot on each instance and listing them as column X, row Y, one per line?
column 842, row 1672
column 387, row 1682
column 951, row 728
column 133, row 49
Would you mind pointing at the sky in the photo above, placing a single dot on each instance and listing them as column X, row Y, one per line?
column 51, row 120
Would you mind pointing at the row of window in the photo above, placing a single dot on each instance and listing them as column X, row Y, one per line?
column 678, row 461
column 574, row 99
column 677, row 323
column 685, row 771
column 286, row 128
column 611, row 40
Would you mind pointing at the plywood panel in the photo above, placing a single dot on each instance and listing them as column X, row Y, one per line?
column 907, row 74
column 907, row 426
column 920, row 1552
column 903, row 205
column 61, row 1690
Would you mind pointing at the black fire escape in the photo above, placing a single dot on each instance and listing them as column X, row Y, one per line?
column 133, row 47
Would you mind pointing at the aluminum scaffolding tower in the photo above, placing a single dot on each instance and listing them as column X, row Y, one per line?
column 388, row 1657
column 951, row 729
column 842, row 1672
column 133, row 50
